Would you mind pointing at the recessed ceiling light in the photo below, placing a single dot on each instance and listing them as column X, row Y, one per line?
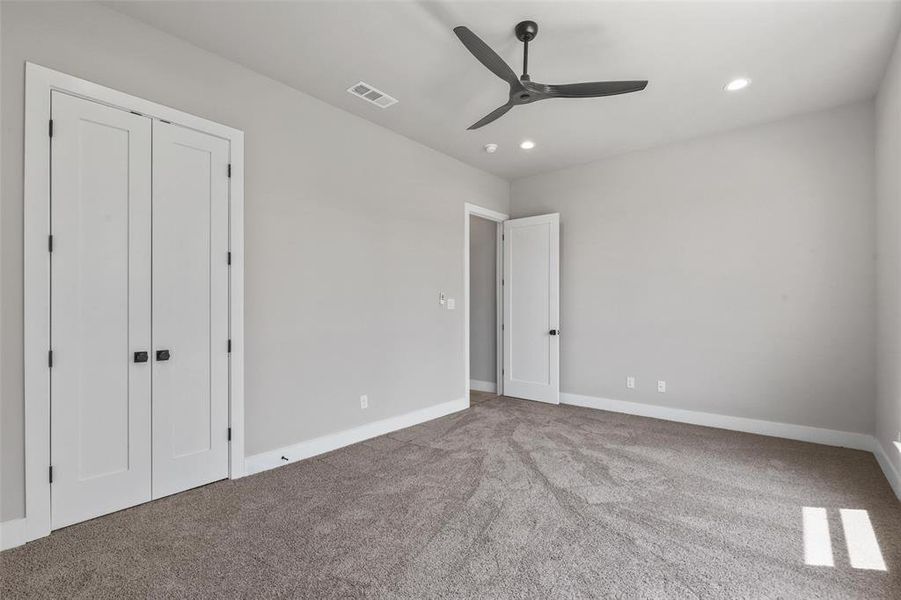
column 737, row 84
column 490, row 148
column 527, row 145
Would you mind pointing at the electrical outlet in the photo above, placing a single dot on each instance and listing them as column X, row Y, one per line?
column 442, row 298
column 630, row 383
column 661, row 386
column 364, row 401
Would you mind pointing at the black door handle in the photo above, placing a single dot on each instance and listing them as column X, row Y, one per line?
column 140, row 357
column 554, row 331
column 162, row 355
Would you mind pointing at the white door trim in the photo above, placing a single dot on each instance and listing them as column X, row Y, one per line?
column 499, row 218
column 39, row 82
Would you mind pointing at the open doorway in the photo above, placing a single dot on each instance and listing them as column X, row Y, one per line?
column 484, row 303
column 527, row 305
column 483, row 313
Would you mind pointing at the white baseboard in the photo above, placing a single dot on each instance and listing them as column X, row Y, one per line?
column 12, row 533
column 333, row 441
column 482, row 386
column 891, row 473
column 829, row 437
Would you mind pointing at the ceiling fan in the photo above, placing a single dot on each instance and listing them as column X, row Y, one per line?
column 522, row 89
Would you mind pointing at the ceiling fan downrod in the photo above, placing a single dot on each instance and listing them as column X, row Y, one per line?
column 525, row 33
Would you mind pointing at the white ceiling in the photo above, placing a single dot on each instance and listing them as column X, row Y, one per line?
column 801, row 56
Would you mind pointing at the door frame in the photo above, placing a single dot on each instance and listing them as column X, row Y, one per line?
column 473, row 210
column 39, row 82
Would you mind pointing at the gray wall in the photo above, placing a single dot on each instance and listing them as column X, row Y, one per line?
column 888, row 152
column 738, row 267
column 351, row 233
column 482, row 299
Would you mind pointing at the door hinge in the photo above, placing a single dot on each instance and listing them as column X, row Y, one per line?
column 229, row 170
column 49, row 243
column 50, row 128
column 229, row 346
column 229, row 434
column 229, row 258
column 51, row 473
column 50, row 359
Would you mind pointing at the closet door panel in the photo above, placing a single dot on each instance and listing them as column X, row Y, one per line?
column 100, row 309
column 190, row 308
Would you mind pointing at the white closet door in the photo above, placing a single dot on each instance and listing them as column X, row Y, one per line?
column 190, row 308
column 532, row 308
column 100, row 309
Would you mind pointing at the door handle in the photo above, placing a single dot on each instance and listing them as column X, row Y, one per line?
column 141, row 357
column 162, row 355
column 554, row 332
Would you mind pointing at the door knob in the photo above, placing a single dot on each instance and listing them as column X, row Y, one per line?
column 140, row 357
column 162, row 355
column 554, row 331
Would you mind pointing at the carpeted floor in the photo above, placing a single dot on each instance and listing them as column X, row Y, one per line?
column 479, row 397
column 509, row 499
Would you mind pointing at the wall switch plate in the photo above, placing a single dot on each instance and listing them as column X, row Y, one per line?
column 661, row 386
column 364, row 401
column 451, row 304
column 630, row 383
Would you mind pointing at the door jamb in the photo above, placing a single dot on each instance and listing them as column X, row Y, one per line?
column 499, row 218
column 39, row 83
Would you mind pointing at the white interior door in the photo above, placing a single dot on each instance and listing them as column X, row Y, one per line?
column 190, row 308
column 532, row 308
column 100, row 309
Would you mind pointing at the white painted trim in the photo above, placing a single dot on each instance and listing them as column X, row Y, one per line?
column 12, row 533
column 829, row 437
column 37, row 301
column 326, row 443
column 498, row 217
column 482, row 386
column 888, row 468
column 499, row 304
column 236, row 467
column 485, row 213
column 39, row 82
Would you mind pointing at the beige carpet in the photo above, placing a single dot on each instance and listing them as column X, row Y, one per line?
column 509, row 499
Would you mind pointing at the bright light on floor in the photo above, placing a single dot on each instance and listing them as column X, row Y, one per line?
column 817, row 541
column 863, row 549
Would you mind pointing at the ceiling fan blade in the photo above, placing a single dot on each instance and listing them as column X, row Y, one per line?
column 594, row 89
column 486, row 55
column 495, row 114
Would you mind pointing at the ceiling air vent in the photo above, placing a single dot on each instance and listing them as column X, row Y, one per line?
column 370, row 94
